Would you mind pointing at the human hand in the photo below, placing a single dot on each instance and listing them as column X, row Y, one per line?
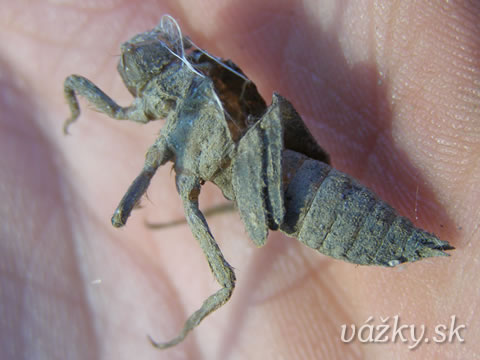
column 390, row 91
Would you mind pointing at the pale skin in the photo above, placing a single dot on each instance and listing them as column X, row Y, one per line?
column 391, row 92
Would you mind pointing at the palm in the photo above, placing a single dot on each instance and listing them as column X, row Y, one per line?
column 391, row 106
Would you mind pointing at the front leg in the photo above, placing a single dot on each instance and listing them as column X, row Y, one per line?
column 157, row 155
column 189, row 189
column 76, row 84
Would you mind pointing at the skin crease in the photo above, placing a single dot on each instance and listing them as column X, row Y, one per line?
column 390, row 91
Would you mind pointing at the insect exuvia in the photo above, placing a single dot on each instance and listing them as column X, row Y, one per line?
column 263, row 158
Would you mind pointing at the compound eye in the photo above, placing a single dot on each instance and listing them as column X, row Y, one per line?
column 128, row 57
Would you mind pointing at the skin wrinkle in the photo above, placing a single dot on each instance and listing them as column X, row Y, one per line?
column 378, row 109
column 415, row 96
column 31, row 273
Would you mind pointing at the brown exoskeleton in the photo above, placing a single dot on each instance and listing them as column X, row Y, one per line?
column 219, row 129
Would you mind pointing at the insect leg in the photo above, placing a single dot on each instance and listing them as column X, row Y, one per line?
column 211, row 211
column 157, row 155
column 76, row 84
column 189, row 189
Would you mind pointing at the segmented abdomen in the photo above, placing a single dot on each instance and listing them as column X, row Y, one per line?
column 331, row 212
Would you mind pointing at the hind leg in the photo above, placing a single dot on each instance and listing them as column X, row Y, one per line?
column 189, row 189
